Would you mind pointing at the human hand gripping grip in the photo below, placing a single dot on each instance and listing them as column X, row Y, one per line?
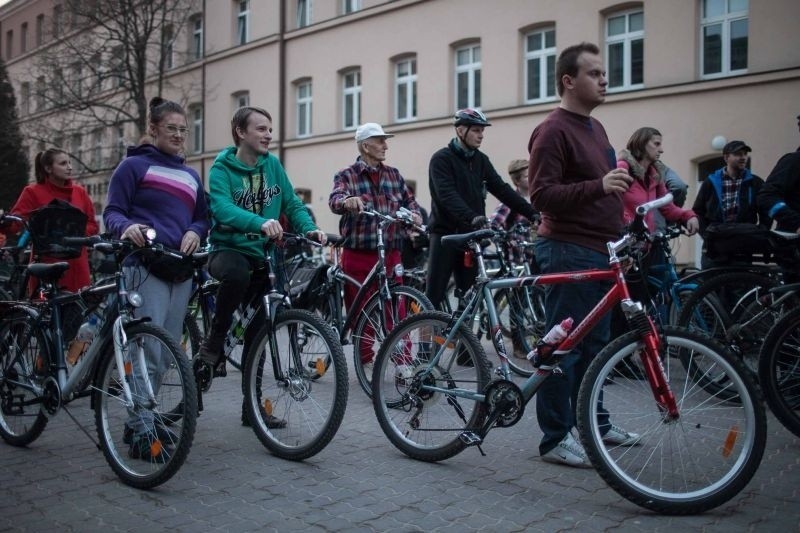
column 544, row 349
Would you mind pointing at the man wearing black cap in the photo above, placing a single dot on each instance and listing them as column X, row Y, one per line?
column 729, row 194
column 780, row 196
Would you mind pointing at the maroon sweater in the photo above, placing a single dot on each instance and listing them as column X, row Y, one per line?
column 569, row 155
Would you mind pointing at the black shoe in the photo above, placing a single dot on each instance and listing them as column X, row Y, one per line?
column 213, row 358
column 154, row 451
column 272, row 422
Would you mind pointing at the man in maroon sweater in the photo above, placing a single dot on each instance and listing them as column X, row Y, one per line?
column 577, row 188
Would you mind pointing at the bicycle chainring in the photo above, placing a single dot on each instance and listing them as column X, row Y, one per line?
column 505, row 398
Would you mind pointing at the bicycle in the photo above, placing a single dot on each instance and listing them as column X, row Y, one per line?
column 779, row 367
column 294, row 372
column 144, row 439
column 381, row 301
column 694, row 450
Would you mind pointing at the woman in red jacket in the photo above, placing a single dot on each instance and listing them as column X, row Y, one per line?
column 53, row 170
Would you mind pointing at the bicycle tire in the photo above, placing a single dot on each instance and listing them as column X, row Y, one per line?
column 369, row 333
column 430, row 431
column 721, row 306
column 191, row 338
column 779, row 370
column 24, row 365
column 168, row 426
column 309, row 400
column 684, row 466
column 531, row 321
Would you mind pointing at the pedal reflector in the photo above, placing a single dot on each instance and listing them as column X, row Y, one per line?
column 319, row 366
column 730, row 441
column 268, row 407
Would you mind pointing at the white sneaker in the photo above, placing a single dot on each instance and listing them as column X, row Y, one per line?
column 620, row 437
column 568, row 452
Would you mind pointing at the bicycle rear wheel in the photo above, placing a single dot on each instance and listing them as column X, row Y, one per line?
column 146, row 443
column 683, row 466
column 371, row 328
column 779, row 370
column 427, row 424
column 521, row 316
column 295, row 404
column 24, row 365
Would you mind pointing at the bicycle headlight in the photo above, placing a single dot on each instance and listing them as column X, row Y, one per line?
column 398, row 270
column 135, row 299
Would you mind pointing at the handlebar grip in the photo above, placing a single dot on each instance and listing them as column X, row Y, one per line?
column 81, row 241
column 654, row 204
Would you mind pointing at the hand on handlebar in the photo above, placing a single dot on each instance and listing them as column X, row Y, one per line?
column 692, row 226
column 190, row 242
column 318, row 236
column 353, row 204
column 272, row 229
column 478, row 222
column 135, row 234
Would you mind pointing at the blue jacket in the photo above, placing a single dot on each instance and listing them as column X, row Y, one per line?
column 707, row 205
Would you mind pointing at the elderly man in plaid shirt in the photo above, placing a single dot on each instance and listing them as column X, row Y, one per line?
column 369, row 183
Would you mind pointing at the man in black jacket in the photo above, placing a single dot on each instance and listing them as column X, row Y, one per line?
column 780, row 195
column 460, row 175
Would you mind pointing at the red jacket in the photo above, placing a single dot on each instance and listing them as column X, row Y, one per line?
column 40, row 194
column 646, row 189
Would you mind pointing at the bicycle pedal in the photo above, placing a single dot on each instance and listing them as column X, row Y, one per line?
column 470, row 438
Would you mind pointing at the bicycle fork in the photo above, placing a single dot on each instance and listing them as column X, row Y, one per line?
column 127, row 361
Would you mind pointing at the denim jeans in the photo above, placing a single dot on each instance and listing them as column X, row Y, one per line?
column 557, row 397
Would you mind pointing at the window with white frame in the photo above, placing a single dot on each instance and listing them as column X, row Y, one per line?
column 350, row 6
column 304, row 108
column 39, row 30
column 468, row 76
column 625, row 50
column 41, row 93
column 58, row 20
column 405, row 89
column 540, row 65
column 241, row 99
column 243, row 22
column 23, row 38
column 723, row 37
column 169, row 48
column 196, row 116
column 196, row 43
column 303, row 13
column 351, row 93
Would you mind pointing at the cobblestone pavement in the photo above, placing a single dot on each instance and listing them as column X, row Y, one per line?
column 360, row 482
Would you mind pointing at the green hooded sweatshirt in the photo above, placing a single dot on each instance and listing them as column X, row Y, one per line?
column 244, row 197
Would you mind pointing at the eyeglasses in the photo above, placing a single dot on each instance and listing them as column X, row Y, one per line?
column 173, row 130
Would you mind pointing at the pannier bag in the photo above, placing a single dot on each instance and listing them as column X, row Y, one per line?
column 51, row 223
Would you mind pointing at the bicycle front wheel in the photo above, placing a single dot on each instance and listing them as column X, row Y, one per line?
column 410, row 396
column 373, row 326
column 779, row 370
column 295, row 403
column 686, row 465
column 145, row 442
column 24, row 365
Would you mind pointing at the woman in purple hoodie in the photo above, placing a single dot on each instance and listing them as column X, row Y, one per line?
column 153, row 188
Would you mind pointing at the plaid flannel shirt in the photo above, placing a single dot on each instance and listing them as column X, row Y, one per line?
column 501, row 218
column 730, row 197
column 387, row 196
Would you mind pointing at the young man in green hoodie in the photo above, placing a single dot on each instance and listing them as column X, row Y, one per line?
column 249, row 192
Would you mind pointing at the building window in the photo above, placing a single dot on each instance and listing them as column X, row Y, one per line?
column 75, row 148
column 196, row 51
column 625, row 50
column 405, row 89
column 540, row 65
column 119, row 142
column 169, row 48
column 243, row 22
column 76, row 83
column 351, row 91
column 117, row 66
column 25, row 98
column 58, row 87
column 241, row 99
column 304, row 106
column 303, row 13
column 23, row 38
column 41, row 93
column 723, row 34
column 97, row 148
column 468, row 76
column 350, row 6
column 9, row 43
column 58, row 20
column 39, row 30
column 196, row 116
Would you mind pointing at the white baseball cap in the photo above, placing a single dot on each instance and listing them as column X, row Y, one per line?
column 370, row 129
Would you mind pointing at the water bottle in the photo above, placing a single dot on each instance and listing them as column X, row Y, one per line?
column 86, row 333
column 540, row 355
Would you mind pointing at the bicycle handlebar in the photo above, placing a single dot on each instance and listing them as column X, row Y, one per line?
column 642, row 210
